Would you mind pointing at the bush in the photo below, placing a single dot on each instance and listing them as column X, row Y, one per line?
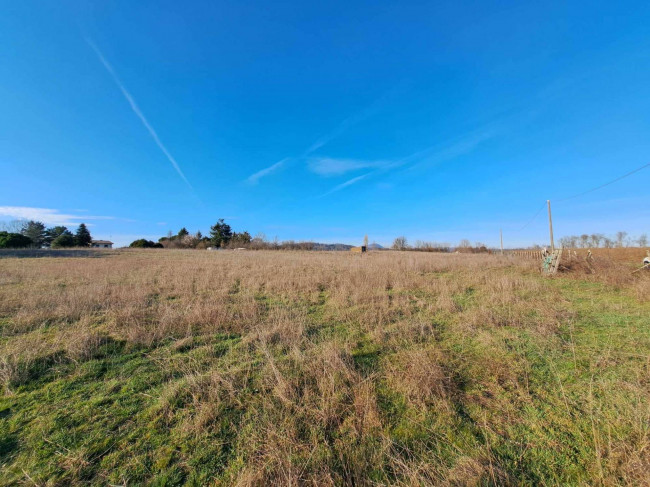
column 66, row 239
column 14, row 241
column 143, row 243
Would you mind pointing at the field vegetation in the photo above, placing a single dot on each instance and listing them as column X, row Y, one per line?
column 179, row 367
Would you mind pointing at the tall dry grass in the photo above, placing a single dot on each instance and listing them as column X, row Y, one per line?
column 405, row 368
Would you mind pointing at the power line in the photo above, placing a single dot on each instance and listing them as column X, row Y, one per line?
column 533, row 218
column 606, row 184
column 583, row 193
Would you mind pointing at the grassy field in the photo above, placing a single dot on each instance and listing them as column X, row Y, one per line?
column 318, row 368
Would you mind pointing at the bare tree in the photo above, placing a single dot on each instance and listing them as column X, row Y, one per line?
column 620, row 238
column 189, row 241
column 13, row 226
column 431, row 246
column 478, row 247
column 642, row 240
column 400, row 243
column 596, row 238
column 259, row 241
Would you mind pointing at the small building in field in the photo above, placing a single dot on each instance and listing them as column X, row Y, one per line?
column 101, row 244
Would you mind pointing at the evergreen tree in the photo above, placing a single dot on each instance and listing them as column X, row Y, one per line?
column 242, row 238
column 220, row 233
column 82, row 237
column 14, row 241
column 145, row 244
column 53, row 232
column 66, row 239
column 35, row 231
column 182, row 233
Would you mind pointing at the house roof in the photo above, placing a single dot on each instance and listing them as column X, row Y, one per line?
column 102, row 242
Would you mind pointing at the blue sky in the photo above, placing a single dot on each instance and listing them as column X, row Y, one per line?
column 434, row 120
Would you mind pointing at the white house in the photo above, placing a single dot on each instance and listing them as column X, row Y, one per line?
column 101, row 244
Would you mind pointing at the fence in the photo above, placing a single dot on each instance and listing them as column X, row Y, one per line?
column 530, row 254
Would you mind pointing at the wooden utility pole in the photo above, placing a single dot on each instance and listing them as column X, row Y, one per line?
column 501, row 235
column 550, row 224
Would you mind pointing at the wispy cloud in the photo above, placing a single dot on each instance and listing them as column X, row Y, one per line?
column 347, row 183
column 325, row 139
column 254, row 178
column 138, row 112
column 450, row 150
column 351, row 121
column 328, row 166
column 49, row 216
column 342, row 128
column 431, row 155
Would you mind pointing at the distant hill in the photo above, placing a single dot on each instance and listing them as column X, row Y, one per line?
column 334, row 246
column 340, row 246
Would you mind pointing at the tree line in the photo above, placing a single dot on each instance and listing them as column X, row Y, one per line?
column 34, row 234
column 596, row 240
column 221, row 236
column 464, row 246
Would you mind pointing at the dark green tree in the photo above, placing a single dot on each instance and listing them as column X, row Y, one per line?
column 241, row 238
column 182, row 233
column 143, row 243
column 14, row 241
column 66, row 239
column 82, row 237
column 35, row 231
column 53, row 232
column 220, row 233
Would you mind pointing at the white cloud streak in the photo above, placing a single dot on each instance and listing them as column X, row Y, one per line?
column 138, row 112
column 460, row 147
column 254, row 178
column 347, row 183
column 344, row 126
column 48, row 216
column 324, row 140
column 349, row 122
column 328, row 166
column 429, row 156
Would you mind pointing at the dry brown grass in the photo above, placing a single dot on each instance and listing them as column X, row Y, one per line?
column 320, row 368
column 624, row 255
column 145, row 296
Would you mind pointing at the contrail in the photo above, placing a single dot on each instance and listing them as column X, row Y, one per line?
column 340, row 129
column 347, row 183
column 254, row 178
column 137, row 111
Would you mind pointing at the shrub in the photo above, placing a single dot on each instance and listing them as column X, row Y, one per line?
column 14, row 241
column 143, row 243
column 66, row 239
